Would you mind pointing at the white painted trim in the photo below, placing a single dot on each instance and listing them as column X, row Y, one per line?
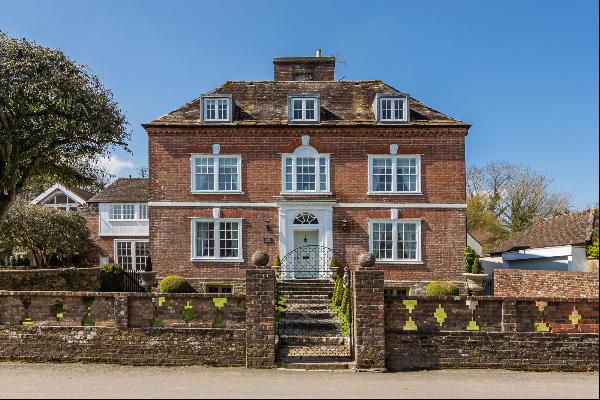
column 395, row 222
column 394, row 158
column 215, row 158
column 208, row 204
column 133, row 254
column 300, row 202
column 306, row 151
column 57, row 186
column 217, row 236
column 401, row 205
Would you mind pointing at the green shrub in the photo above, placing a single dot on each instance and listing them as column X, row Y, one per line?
column 111, row 278
column 277, row 261
column 175, row 284
column 148, row 267
column 441, row 288
column 472, row 263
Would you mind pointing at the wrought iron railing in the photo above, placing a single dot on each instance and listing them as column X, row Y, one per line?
column 132, row 282
column 307, row 262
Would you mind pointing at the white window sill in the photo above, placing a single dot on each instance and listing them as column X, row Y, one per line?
column 218, row 260
column 304, row 193
column 126, row 220
column 393, row 121
column 303, row 121
column 394, row 193
column 400, row 262
column 217, row 192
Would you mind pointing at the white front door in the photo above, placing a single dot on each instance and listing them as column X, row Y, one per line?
column 306, row 254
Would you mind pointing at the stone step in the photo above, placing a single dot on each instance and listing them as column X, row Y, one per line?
column 300, row 307
column 309, row 326
column 307, row 315
column 328, row 366
column 310, row 352
column 307, row 291
column 312, row 340
column 306, row 296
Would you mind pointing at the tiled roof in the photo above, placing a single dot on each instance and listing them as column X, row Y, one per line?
column 562, row 230
column 124, row 190
column 342, row 103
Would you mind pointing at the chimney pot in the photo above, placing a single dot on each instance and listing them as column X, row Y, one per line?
column 318, row 53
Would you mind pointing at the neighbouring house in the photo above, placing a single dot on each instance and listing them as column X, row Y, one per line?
column 307, row 167
column 557, row 244
column 118, row 224
column 474, row 244
column 62, row 198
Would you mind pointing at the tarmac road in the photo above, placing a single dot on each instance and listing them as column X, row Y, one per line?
column 22, row 380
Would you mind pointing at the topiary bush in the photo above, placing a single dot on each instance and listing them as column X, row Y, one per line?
column 441, row 288
column 175, row 284
column 111, row 278
column 472, row 263
column 592, row 249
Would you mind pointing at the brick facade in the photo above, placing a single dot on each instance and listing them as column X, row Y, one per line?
column 442, row 174
column 523, row 283
column 260, row 318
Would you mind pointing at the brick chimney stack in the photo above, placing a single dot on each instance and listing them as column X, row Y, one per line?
column 316, row 68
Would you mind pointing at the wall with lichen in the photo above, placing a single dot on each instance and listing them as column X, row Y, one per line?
column 50, row 279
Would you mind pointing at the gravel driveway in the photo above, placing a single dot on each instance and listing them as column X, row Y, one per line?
column 106, row 381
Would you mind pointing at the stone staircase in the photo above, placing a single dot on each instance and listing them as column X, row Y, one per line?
column 309, row 332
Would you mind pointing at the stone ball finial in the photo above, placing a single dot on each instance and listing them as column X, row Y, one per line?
column 366, row 260
column 260, row 258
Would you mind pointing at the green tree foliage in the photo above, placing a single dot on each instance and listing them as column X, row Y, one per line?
column 592, row 249
column 44, row 233
column 56, row 118
column 111, row 278
column 504, row 199
column 472, row 263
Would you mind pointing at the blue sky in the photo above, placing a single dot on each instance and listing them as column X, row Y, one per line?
column 523, row 73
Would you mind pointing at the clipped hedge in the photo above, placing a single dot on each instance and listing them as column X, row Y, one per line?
column 441, row 288
column 111, row 278
column 175, row 284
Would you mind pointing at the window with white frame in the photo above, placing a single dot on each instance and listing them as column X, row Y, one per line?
column 217, row 239
column 216, row 109
column 143, row 211
column 396, row 240
column 122, row 211
column 132, row 255
column 306, row 171
column 393, row 109
column 216, row 173
column 394, row 174
column 304, row 109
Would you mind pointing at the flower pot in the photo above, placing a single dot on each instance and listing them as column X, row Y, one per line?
column 148, row 279
column 475, row 282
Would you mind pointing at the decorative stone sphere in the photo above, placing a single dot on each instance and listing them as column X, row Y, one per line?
column 260, row 258
column 366, row 260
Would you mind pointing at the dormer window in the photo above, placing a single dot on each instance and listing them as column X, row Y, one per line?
column 303, row 109
column 392, row 109
column 216, row 108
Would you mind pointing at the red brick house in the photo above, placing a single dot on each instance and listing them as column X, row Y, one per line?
column 307, row 160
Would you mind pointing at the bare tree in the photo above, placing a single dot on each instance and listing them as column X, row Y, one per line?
column 515, row 196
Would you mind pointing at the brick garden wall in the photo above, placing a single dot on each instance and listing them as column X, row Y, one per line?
column 492, row 332
column 522, row 283
column 129, row 328
column 50, row 279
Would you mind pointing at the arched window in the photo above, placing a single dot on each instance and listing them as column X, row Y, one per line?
column 305, row 170
column 306, row 219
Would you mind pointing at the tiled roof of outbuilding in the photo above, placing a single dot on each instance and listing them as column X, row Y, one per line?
column 567, row 229
column 342, row 103
column 124, row 190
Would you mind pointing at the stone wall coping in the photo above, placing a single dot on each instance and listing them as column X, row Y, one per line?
column 499, row 298
column 113, row 328
column 44, row 270
column 489, row 333
column 119, row 294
